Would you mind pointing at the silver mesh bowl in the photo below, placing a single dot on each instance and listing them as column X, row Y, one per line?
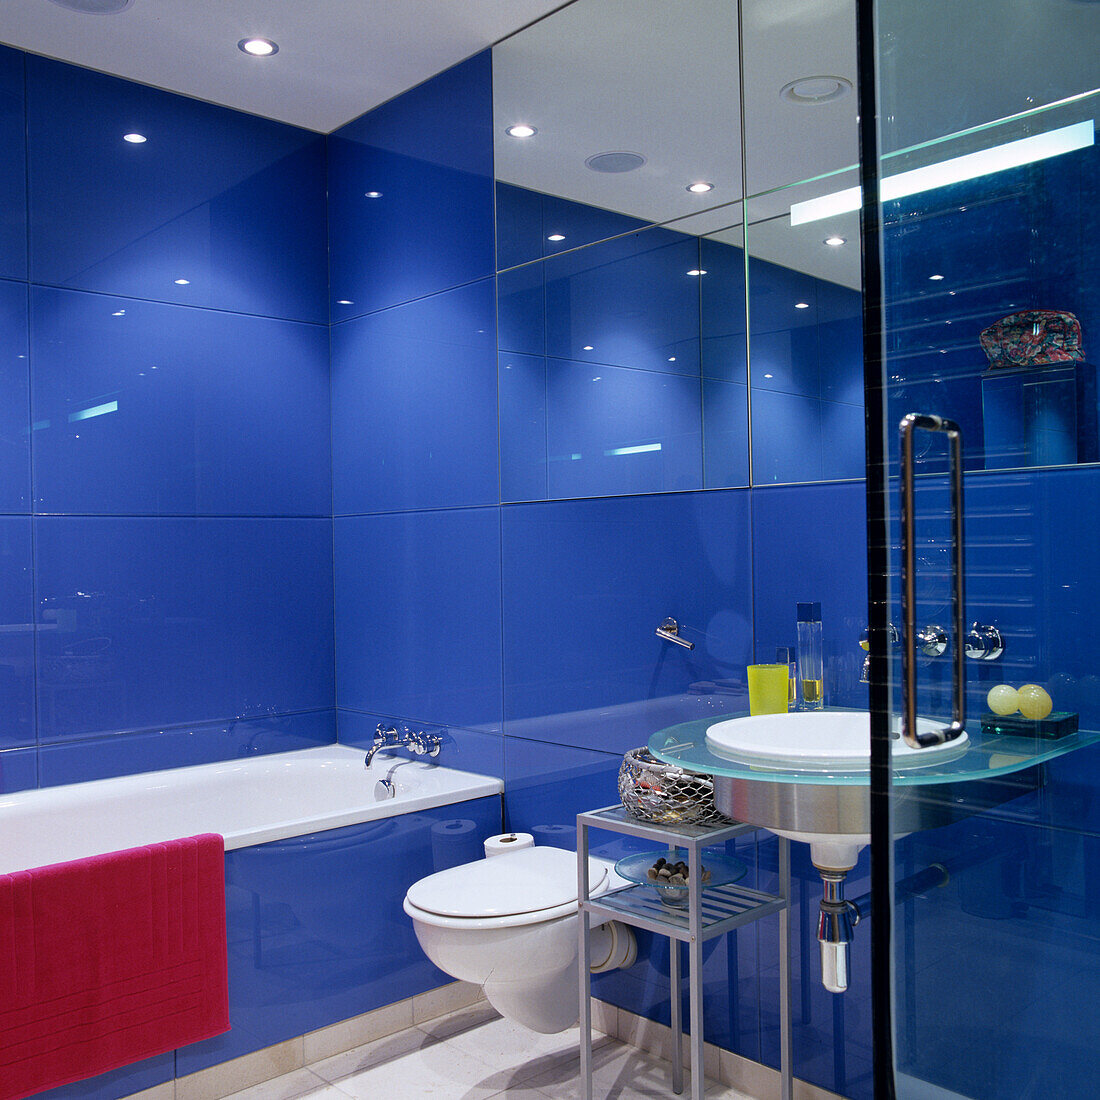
column 665, row 794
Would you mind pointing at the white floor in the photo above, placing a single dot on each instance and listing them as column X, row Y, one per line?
column 474, row 1054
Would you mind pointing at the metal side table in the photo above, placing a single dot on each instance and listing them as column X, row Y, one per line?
column 711, row 912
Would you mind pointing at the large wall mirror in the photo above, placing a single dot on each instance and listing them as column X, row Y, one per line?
column 625, row 295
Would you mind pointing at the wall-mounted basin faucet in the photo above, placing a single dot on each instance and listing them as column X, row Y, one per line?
column 865, row 644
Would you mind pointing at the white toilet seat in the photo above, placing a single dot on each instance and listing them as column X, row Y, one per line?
column 530, row 886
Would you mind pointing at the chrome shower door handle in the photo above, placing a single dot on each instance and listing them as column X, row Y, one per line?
column 909, row 425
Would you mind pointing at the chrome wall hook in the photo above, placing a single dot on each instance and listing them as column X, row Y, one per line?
column 984, row 643
column 670, row 631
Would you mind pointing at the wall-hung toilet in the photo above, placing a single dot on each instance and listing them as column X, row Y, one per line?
column 510, row 924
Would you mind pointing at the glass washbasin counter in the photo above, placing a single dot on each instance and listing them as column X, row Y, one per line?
column 985, row 756
column 786, row 780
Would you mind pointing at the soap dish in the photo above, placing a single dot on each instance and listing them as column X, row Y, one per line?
column 1057, row 724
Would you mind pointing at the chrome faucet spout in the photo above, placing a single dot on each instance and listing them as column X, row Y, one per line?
column 417, row 742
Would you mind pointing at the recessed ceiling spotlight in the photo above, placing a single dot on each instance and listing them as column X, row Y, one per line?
column 521, row 130
column 672, row 358
column 135, row 139
column 373, row 195
column 802, row 305
column 835, row 242
column 258, row 47
column 344, row 302
column 587, row 347
column 811, row 91
column 119, row 313
column 95, row 7
column 935, row 278
column 556, row 237
column 700, row 188
column 615, row 162
column 697, row 271
column 183, row 282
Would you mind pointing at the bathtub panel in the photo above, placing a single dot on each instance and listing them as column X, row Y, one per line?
column 468, row 750
column 153, row 409
column 230, row 202
column 147, row 623
column 118, row 1082
column 155, row 750
column 316, row 929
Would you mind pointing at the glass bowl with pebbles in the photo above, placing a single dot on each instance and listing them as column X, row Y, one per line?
column 669, row 874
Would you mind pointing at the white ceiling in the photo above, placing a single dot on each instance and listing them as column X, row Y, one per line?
column 336, row 59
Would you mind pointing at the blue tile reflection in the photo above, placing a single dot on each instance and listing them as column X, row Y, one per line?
column 725, row 434
column 16, row 633
column 609, row 564
column 141, row 407
column 15, row 454
column 786, row 437
column 152, row 622
column 118, row 1082
column 317, row 934
column 431, row 366
column 614, row 431
column 411, row 193
column 13, row 168
column 629, row 302
column 155, row 750
column 231, row 203
column 522, row 388
column 417, row 631
column 810, row 544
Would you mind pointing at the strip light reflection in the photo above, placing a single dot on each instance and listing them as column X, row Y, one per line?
column 999, row 158
column 633, row 450
column 95, row 410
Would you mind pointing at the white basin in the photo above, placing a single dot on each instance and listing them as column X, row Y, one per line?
column 826, row 740
column 832, row 817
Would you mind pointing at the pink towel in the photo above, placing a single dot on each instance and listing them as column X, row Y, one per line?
column 108, row 960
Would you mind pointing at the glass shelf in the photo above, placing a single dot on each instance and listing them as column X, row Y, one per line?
column 989, row 755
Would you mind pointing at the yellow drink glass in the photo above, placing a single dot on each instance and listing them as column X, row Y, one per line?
column 769, row 687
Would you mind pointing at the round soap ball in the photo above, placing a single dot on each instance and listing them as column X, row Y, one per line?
column 1003, row 699
column 1035, row 703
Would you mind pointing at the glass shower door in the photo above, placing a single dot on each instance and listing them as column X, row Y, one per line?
column 984, row 271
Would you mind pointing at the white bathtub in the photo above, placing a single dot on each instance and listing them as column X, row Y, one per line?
column 249, row 801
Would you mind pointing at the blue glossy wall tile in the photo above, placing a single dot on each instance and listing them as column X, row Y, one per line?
column 809, row 545
column 153, row 622
column 629, row 302
column 13, row 171
column 18, row 770
column 17, row 715
column 521, row 383
column 154, row 750
column 843, row 441
column 232, row 203
column 521, row 309
column 414, row 404
column 417, row 619
column 466, row 750
column 602, row 563
column 141, row 407
column 722, row 312
column 15, row 452
column 527, row 219
column 302, row 953
column 786, row 437
column 429, row 155
column 612, row 431
column 725, row 434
